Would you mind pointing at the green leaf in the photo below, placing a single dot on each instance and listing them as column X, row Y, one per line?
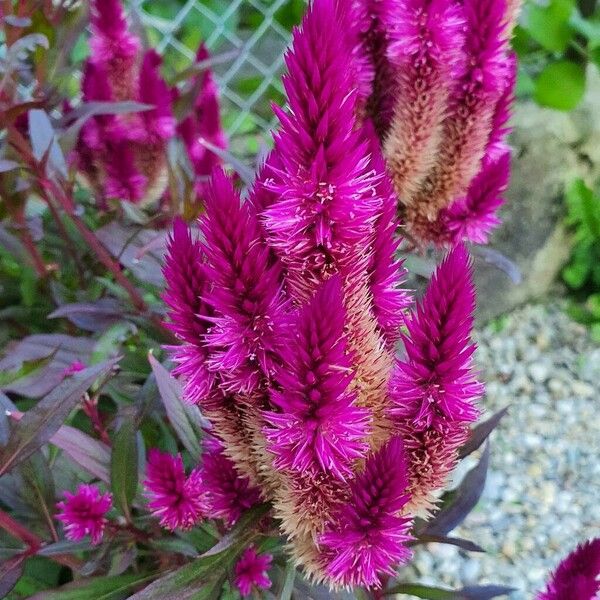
column 186, row 582
column 40, row 423
column 576, row 274
column 98, row 588
column 561, row 85
column 38, row 489
column 549, row 25
column 124, row 467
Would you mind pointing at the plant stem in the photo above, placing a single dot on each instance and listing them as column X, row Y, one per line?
column 27, row 241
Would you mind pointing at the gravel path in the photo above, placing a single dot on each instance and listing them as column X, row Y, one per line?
column 542, row 495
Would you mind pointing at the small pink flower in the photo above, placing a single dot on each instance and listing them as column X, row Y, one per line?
column 175, row 499
column 83, row 513
column 251, row 572
column 73, row 368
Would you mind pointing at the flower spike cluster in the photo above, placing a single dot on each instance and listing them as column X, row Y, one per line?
column 251, row 572
column 290, row 312
column 123, row 156
column 442, row 89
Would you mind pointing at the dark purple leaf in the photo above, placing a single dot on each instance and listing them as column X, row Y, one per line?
column 500, row 261
column 90, row 454
column 452, row 541
column 7, row 165
column 65, row 547
column 127, row 245
column 463, row 499
column 243, row 170
column 39, row 424
column 481, row 432
column 64, row 350
column 15, row 21
column 170, row 393
column 486, row 592
column 91, row 316
column 13, row 244
column 4, row 424
column 10, row 572
column 43, row 141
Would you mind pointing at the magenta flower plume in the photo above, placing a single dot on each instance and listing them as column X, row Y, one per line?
column 326, row 207
column 246, row 293
column 474, row 217
column 227, row 494
column 159, row 123
column 386, row 273
column 204, row 122
column 187, row 286
column 318, row 426
column 174, row 498
column 84, row 513
column 112, row 43
column 251, row 572
column 471, row 110
column 436, row 383
column 367, row 537
column 426, row 51
column 578, row 576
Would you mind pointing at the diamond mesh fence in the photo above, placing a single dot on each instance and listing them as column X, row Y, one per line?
column 247, row 39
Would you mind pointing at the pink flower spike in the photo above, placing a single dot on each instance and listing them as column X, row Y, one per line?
column 251, row 572
column 436, row 383
column 227, row 493
column 246, row 293
column 187, row 285
column 367, row 537
column 318, row 426
column 474, row 217
column 111, row 42
column 83, row 513
column 578, row 575
column 174, row 498
column 159, row 121
column 73, row 368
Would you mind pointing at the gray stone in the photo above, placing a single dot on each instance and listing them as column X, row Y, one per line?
column 550, row 150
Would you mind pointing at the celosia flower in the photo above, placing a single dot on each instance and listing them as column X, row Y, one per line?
column 425, row 48
column 187, row 286
column 159, row 122
column 386, row 273
column 578, row 575
column 84, row 513
column 326, row 205
column 303, row 286
column 436, row 382
column 227, row 494
column 204, row 122
column 245, row 292
column 251, row 572
column 175, row 499
column 318, row 425
column 366, row 539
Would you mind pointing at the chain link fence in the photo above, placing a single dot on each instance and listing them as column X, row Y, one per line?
column 247, row 39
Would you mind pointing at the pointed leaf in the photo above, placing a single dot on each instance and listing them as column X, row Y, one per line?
column 88, row 453
column 10, row 572
column 98, row 588
column 170, row 392
column 40, row 423
column 43, row 141
column 463, row 499
column 452, row 541
column 481, row 433
column 124, row 467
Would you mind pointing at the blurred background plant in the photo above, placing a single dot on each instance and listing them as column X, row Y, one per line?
column 555, row 41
